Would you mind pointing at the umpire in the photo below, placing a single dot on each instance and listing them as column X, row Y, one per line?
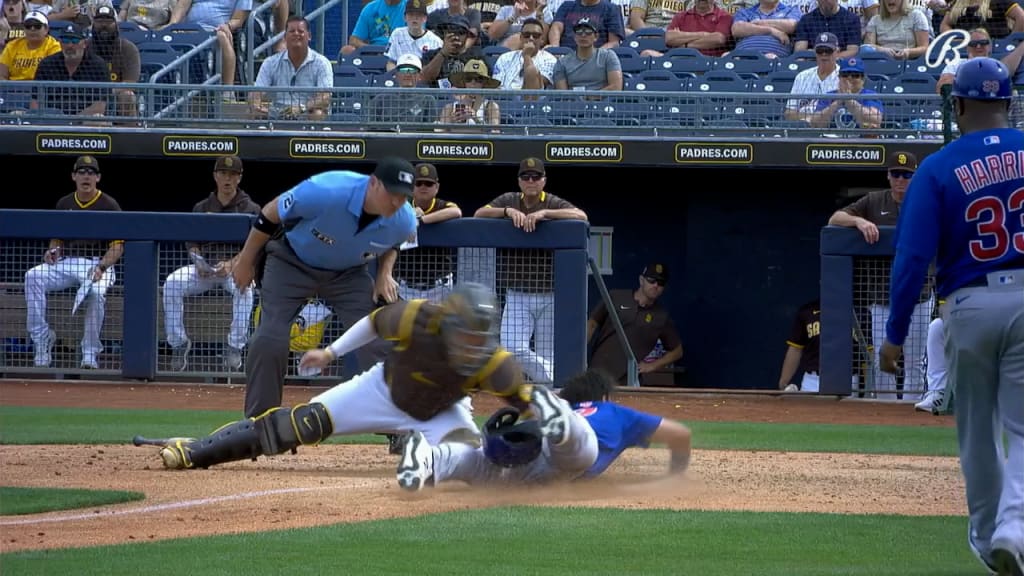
column 319, row 237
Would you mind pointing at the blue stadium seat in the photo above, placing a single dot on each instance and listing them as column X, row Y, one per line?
column 128, row 25
column 778, row 82
column 910, row 83
column 156, row 47
column 617, row 111
column 560, row 111
column 557, row 51
column 745, row 63
column 152, row 62
column 13, row 97
column 370, row 50
column 347, row 107
column 880, row 66
column 646, row 39
column 184, row 28
column 136, row 36
column 58, row 24
column 348, row 76
column 920, row 66
column 682, row 65
column 385, row 80
column 677, row 114
column 657, row 81
column 797, row 61
column 630, row 60
column 369, row 64
column 494, row 51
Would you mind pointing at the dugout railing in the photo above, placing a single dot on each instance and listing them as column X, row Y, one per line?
column 855, row 279
column 134, row 329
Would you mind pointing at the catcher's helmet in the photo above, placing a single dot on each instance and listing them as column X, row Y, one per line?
column 982, row 78
column 470, row 327
column 508, row 442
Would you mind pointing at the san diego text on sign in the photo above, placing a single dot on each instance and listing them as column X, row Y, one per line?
column 200, row 145
column 326, row 148
column 94, row 143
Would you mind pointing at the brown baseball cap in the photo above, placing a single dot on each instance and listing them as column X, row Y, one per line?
column 87, row 162
column 531, row 165
column 228, row 164
column 656, row 271
column 416, row 7
column 426, row 172
column 900, row 160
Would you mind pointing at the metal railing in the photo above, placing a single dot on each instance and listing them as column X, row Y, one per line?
column 632, row 370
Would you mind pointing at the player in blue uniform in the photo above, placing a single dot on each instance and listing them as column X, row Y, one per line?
column 592, row 435
column 966, row 205
column 319, row 237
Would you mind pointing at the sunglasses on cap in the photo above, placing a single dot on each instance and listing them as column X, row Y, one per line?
column 977, row 43
column 902, row 174
column 425, row 183
column 531, row 176
column 657, row 281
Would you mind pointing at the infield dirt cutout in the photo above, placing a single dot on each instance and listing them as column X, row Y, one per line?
column 344, row 483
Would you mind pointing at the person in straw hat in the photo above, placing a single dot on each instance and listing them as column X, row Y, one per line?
column 472, row 107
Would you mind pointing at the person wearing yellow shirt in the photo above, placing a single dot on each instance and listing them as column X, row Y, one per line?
column 21, row 56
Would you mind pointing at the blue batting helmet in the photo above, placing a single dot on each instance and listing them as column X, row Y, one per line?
column 509, row 442
column 982, row 79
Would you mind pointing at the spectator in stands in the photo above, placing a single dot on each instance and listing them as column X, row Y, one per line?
column 766, row 28
column 588, row 68
column 472, row 107
column 510, row 21
column 848, row 113
column 222, row 17
column 529, row 301
column 822, row 79
column 829, row 16
column 528, row 67
column 979, row 45
column 14, row 14
column 601, row 16
column 439, row 20
column 74, row 63
column 655, row 14
column 21, row 56
column 550, row 10
column 376, row 22
column 87, row 264
column 898, row 30
column 644, row 321
column 412, row 38
column 298, row 66
column 149, row 14
column 452, row 56
column 211, row 268
column 999, row 17
column 705, row 27
column 425, row 272
column 882, row 208
column 864, row 10
column 488, row 10
column 803, row 349
column 5, row 30
column 396, row 106
column 121, row 56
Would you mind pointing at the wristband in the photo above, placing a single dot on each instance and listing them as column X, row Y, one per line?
column 505, row 213
column 264, row 225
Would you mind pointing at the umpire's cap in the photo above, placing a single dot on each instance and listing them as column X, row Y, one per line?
column 396, row 174
column 982, row 78
column 87, row 162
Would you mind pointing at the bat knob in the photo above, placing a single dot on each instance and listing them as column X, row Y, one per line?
column 138, row 440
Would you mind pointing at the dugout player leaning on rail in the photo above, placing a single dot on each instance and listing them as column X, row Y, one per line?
column 803, row 349
column 441, row 354
column 88, row 264
column 319, row 237
column 964, row 211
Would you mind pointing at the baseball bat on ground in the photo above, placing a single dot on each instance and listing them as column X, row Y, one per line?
column 143, row 441
column 867, row 349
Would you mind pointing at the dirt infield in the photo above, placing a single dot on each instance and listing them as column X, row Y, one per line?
column 331, row 484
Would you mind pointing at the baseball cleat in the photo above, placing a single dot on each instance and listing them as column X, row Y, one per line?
column 416, row 467
column 1005, row 560
column 173, row 453
column 552, row 414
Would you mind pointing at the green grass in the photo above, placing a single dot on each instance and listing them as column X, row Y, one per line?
column 32, row 425
column 550, row 542
column 16, row 500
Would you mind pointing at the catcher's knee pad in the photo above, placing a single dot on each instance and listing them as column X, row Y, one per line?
column 273, row 432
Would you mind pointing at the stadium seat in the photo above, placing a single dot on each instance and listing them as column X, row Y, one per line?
column 128, row 26
column 136, row 36
column 630, row 60
column 676, row 114
column 560, row 111
column 920, row 66
column 557, row 51
column 879, row 66
column 746, row 64
column 348, row 76
column 370, row 50
column 657, row 81
column 385, row 80
column 13, row 97
column 184, row 28
column 58, row 24
column 494, row 51
column 797, row 61
column 349, row 107
column 646, row 39
column 910, row 83
column 778, row 82
column 369, row 64
column 682, row 65
column 617, row 111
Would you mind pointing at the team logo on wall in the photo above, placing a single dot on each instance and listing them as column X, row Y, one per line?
column 946, row 47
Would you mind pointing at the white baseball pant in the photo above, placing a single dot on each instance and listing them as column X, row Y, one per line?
column 67, row 273
column 529, row 315
column 435, row 294
column 363, row 405
column 913, row 351
column 936, row 365
column 186, row 281
column 809, row 383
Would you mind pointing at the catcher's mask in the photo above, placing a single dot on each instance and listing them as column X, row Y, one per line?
column 508, row 442
column 470, row 327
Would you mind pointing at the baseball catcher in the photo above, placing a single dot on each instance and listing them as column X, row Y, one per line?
column 591, row 434
column 442, row 353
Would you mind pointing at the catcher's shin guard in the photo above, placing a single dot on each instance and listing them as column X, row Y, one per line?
column 275, row 431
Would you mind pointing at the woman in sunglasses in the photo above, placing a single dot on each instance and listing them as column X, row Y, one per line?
column 999, row 17
column 979, row 46
column 22, row 55
column 472, row 107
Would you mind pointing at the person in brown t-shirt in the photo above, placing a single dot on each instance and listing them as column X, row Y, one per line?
column 211, row 268
column 526, row 274
column 425, row 272
column 644, row 321
column 87, row 264
column 882, row 208
column 802, row 349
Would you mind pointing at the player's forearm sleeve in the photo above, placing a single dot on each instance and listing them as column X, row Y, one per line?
column 360, row 334
column 908, row 272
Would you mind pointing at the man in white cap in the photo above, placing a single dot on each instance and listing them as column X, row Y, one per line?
column 397, row 106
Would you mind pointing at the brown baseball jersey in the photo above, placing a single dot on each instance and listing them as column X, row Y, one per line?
column 423, row 384
column 878, row 207
column 527, row 270
column 215, row 252
column 805, row 334
column 426, row 267
column 643, row 327
column 87, row 248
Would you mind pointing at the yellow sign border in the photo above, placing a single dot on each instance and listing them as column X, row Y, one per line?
column 107, row 137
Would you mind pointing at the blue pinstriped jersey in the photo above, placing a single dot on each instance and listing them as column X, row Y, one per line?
column 617, row 428
column 964, row 207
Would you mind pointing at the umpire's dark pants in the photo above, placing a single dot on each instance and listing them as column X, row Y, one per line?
column 287, row 284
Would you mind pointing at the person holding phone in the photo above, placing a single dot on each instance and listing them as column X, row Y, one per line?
column 472, row 107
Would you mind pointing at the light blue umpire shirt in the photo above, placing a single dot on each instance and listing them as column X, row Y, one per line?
column 321, row 218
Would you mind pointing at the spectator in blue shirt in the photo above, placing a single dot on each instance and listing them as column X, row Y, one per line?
column 318, row 238
column 847, row 113
column 765, row 28
column 603, row 15
column 829, row 16
column 376, row 22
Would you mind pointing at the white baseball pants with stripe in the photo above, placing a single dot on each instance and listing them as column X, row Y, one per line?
column 529, row 315
column 186, row 281
column 67, row 273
